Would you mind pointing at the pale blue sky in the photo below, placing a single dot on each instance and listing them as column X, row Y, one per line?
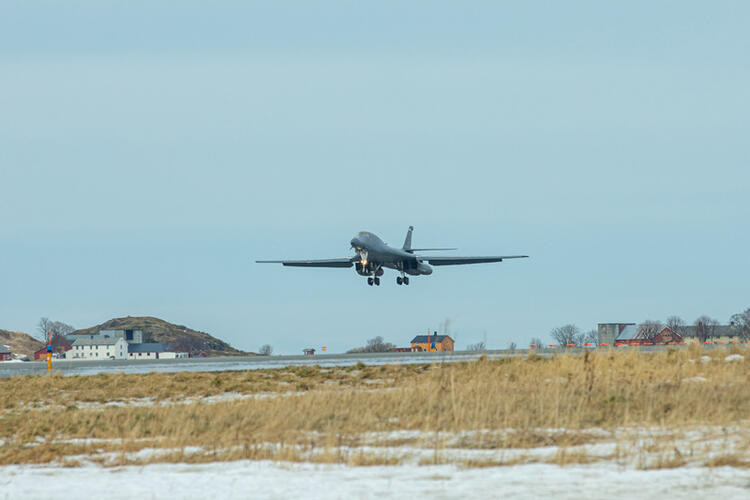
column 149, row 154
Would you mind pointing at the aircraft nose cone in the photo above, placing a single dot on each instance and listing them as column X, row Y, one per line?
column 355, row 242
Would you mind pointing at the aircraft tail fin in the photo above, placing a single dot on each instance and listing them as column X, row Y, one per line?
column 407, row 241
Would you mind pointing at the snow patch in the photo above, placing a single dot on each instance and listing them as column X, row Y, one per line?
column 264, row 479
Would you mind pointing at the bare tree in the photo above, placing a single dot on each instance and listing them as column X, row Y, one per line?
column 740, row 323
column 375, row 344
column 478, row 347
column 705, row 327
column 47, row 326
column 648, row 329
column 536, row 341
column 591, row 337
column 512, row 347
column 265, row 350
column 567, row 334
column 677, row 325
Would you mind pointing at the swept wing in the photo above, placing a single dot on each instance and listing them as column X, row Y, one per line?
column 456, row 261
column 343, row 262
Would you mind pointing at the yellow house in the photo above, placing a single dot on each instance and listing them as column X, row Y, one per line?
column 440, row 343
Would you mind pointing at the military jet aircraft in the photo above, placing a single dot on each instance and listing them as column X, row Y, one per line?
column 373, row 255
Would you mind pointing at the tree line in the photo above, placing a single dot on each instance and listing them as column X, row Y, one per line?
column 704, row 327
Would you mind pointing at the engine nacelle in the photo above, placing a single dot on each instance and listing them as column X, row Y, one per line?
column 420, row 268
column 363, row 270
column 367, row 269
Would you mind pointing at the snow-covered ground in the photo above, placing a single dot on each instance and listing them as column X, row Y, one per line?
column 261, row 479
column 529, row 473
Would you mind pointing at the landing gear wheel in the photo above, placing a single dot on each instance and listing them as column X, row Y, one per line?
column 406, row 280
column 377, row 281
column 369, row 281
column 399, row 280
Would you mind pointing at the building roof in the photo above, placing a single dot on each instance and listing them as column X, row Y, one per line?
column 630, row 332
column 422, row 339
column 719, row 331
column 4, row 349
column 150, row 347
column 95, row 340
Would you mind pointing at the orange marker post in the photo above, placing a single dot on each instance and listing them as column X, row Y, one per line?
column 49, row 351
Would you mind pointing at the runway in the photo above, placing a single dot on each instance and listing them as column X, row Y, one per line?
column 69, row 367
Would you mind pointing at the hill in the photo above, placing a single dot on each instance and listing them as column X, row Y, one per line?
column 20, row 343
column 158, row 330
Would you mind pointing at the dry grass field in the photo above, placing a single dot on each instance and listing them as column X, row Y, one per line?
column 660, row 410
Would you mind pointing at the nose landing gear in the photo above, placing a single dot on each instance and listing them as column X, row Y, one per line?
column 373, row 281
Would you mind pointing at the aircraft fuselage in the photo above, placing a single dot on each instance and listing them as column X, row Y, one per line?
column 374, row 254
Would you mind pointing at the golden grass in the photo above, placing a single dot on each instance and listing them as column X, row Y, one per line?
column 56, row 389
column 515, row 403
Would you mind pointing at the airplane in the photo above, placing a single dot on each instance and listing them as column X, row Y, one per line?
column 373, row 255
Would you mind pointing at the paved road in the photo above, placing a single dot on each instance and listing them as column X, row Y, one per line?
column 9, row 369
column 233, row 363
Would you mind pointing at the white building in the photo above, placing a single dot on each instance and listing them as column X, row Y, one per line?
column 92, row 347
column 130, row 336
column 153, row 351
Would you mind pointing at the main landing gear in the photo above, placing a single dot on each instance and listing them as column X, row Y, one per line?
column 402, row 281
column 375, row 281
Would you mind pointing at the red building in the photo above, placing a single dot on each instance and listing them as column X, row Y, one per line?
column 60, row 345
column 633, row 335
column 5, row 353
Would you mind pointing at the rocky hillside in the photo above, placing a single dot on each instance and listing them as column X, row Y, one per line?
column 20, row 343
column 158, row 330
